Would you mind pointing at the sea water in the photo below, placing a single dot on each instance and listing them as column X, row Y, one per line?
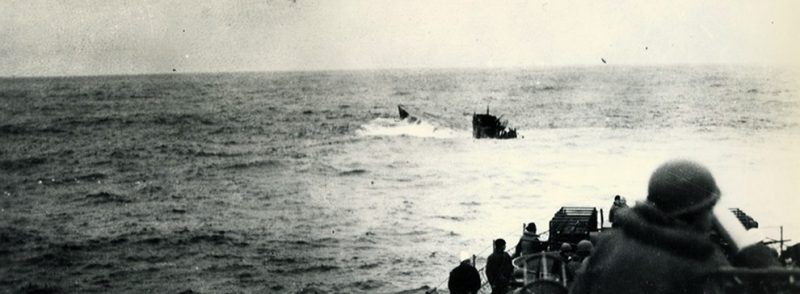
column 309, row 181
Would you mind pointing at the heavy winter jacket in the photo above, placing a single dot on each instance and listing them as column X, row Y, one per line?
column 499, row 269
column 649, row 253
column 464, row 279
column 613, row 211
column 528, row 244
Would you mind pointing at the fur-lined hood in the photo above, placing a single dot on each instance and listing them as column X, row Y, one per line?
column 650, row 225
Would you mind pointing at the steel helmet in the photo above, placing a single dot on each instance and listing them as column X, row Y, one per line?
column 585, row 247
column 565, row 247
column 682, row 187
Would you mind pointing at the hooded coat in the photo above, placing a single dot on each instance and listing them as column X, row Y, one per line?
column 612, row 212
column 464, row 279
column 528, row 244
column 649, row 253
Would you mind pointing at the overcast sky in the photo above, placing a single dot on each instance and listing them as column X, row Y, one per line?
column 88, row 37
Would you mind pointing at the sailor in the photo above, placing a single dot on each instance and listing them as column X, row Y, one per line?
column 529, row 242
column 581, row 258
column 791, row 255
column 566, row 256
column 585, row 249
column 464, row 279
column 565, row 252
column 499, row 268
column 661, row 245
column 619, row 202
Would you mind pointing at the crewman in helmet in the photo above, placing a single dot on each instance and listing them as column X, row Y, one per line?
column 619, row 202
column 529, row 242
column 580, row 259
column 565, row 252
column 661, row 245
column 585, row 249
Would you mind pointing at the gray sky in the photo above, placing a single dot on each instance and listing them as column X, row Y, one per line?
column 88, row 37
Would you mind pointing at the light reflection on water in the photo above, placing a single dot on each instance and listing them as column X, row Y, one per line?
column 507, row 183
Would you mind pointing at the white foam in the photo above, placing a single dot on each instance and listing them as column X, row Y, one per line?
column 394, row 127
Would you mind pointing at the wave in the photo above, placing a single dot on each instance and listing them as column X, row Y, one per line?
column 203, row 153
column 173, row 119
column 255, row 164
column 233, row 267
column 144, row 237
column 51, row 260
column 448, row 217
column 370, row 265
column 306, row 244
column 363, row 239
column 13, row 236
column 10, row 129
column 309, row 269
column 93, row 177
column 367, row 285
column 423, row 289
column 106, row 197
column 22, row 163
column 395, row 127
column 43, row 288
column 470, row 203
column 329, row 170
column 186, row 238
column 282, row 260
column 353, row 172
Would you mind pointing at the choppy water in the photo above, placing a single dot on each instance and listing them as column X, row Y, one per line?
column 290, row 182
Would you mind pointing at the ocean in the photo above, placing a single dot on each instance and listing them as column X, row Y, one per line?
column 308, row 182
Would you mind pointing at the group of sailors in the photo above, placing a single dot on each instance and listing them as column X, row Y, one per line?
column 661, row 245
column 500, row 271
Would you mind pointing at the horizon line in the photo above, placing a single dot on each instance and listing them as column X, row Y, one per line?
column 356, row 69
